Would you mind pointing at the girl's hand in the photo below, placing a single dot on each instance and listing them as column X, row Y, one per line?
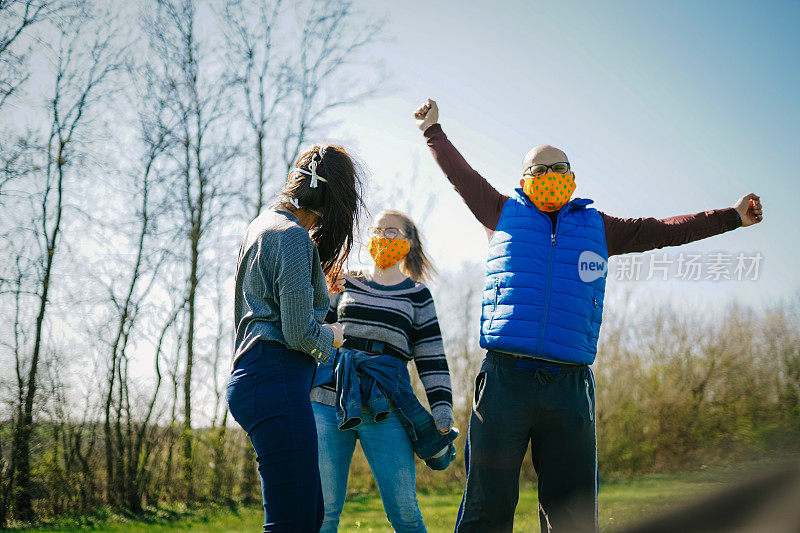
column 338, row 334
column 749, row 209
column 336, row 285
column 443, row 418
column 427, row 115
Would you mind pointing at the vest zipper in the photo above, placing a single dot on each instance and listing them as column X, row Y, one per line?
column 496, row 297
column 548, row 280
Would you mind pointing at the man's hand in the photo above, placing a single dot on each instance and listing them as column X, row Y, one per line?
column 338, row 334
column 427, row 115
column 749, row 209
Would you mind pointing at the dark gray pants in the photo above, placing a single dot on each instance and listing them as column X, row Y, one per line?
column 513, row 405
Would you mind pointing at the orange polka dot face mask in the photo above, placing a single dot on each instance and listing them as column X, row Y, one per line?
column 549, row 191
column 387, row 252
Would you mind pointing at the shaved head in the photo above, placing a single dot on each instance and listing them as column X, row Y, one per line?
column 544, row 154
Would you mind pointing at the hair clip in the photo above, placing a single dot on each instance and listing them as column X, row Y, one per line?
column 312, row 167
column 294, row 202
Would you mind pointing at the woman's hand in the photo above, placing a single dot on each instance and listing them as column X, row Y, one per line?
column 336, row 285
column 427, row 115
column 338, row 334
column 749, row 209
column 443, row 418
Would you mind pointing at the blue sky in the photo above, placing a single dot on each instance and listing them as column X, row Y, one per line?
column 664, row 108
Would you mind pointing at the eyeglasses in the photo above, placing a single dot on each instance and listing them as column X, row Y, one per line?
column 389, row 233
column 538, row 170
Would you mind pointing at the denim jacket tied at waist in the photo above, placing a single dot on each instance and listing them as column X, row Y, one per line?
column 376, row 383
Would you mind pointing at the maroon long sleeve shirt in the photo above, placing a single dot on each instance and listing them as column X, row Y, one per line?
column 623, row 235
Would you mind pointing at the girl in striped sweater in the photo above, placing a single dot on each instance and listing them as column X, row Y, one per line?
column 385, row 309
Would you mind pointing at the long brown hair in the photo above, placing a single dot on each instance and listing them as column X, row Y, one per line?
column 338, row 200
column 416, row 264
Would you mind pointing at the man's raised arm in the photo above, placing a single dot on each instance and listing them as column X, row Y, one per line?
column 624, row 235
column 485, row 202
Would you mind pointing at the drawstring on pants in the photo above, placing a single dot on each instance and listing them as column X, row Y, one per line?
column 542, row 376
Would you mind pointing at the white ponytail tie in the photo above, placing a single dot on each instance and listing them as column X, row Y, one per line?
column 312, row 166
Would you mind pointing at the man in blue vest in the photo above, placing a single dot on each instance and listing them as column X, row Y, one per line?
column 542, row 309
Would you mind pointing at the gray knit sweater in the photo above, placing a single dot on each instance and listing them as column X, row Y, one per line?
column 280, row 294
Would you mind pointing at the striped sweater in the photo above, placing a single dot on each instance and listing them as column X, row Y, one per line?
column 402, row 316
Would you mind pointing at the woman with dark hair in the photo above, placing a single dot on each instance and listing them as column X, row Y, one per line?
column 280, row 303
column 389, row 318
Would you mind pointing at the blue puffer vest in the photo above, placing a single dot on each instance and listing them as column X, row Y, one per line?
column 535, row 302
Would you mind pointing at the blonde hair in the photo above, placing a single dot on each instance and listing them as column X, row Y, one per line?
column 416, row 265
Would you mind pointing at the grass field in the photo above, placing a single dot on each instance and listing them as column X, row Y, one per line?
column 620, row 503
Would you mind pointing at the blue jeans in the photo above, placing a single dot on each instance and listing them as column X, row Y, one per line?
column 268, row 396
column 391, row 458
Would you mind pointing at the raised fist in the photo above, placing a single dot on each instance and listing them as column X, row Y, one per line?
column 427, row 114
column 749, row 209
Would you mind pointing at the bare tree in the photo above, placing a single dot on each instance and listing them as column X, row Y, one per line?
column 19, row 39
column 72, row 438
column 261, row 75
column 221, row 475
column 186, row 143
column 17, row 17
column 334, row 35
column 173, row 371
column 19, row 338
column 82, row 71
column 123, row 445
column 198, row 103
column 288, row 91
